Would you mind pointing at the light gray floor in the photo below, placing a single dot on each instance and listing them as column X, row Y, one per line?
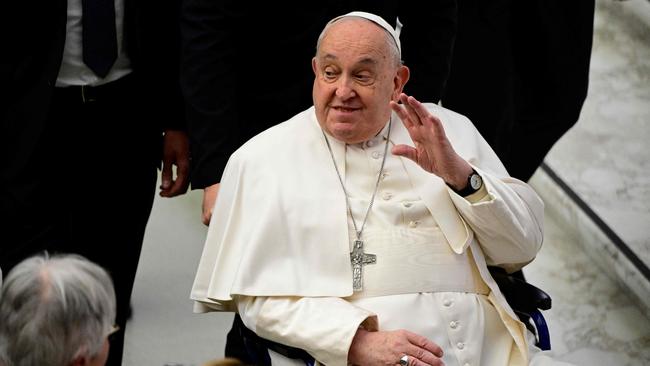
column 592, row 322
column 163, row 328
column 605, row 157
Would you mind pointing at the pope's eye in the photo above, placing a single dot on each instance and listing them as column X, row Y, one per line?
column 329, row 74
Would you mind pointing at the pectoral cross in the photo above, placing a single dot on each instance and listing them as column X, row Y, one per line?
column 359, row 259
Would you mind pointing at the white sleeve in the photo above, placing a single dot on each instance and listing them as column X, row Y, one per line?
column 322, row 326
column 508, row 224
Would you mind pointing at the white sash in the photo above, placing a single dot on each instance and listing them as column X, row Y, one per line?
column 411, row 261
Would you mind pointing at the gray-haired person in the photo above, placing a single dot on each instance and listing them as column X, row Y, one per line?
column 56, row 311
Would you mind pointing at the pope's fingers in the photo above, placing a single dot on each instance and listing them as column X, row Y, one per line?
column 210, row 194
column 424, row 343
column 206, row 215
column 406, row 151
column 416, row 362
column 401, row 113
column 415, row 119
column 423, row 114
column 420, row 356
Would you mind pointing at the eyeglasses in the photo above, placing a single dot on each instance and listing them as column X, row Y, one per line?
column 111, row 333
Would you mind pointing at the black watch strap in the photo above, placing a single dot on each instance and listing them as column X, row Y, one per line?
column 474, row 183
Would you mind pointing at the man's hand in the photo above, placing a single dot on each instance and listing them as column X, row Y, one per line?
column 387, row 347
column 209, row 198
column 432, row 151
column 176, row 151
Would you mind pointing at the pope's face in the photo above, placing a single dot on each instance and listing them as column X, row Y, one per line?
column 356, row 77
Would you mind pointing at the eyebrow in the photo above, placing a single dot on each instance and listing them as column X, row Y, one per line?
column 365, row 60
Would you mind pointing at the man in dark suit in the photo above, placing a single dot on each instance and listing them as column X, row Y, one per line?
column 245, row 68
column 84, row 128
column 520, row 72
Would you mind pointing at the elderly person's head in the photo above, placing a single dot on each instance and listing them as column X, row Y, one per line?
column 357, row 73
column 56, row 311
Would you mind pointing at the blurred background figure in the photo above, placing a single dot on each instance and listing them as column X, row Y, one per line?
column 90, row 109
column 56, row 311
column 519, row 72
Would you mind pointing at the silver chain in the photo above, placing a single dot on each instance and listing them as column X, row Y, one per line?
column 345, row 191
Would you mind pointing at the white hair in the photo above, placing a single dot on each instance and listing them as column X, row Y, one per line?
column 54, row 310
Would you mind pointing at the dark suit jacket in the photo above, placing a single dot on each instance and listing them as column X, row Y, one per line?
column 32, row 35
column 520, row 72
column 247, row 66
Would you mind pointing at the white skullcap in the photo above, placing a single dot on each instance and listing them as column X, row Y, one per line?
column 375, row 19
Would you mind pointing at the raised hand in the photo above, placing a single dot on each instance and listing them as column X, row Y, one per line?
column 432, row 151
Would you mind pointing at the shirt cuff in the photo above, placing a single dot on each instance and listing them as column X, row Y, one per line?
column 482, row 195
column 479, row 196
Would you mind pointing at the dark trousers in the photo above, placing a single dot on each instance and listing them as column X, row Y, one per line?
column 87, row 187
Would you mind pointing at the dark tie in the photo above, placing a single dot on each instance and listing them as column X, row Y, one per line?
column 99, row 39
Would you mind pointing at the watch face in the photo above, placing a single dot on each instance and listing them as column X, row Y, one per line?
column 475, row 181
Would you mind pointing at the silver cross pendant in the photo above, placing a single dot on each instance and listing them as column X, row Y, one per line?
column 359, row 259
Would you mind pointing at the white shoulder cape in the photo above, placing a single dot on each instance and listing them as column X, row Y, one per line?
column 279, row 226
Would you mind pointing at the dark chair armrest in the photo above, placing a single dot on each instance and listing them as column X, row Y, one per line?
column 521, row 295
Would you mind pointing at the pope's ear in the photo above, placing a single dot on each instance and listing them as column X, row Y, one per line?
column 313, row 66
column 401, row 78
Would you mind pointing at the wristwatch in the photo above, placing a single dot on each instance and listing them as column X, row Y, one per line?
column 474, row 183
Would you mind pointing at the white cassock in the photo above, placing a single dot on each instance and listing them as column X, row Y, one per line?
column 279, row 243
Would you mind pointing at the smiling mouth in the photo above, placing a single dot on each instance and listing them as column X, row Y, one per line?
column 345, row 109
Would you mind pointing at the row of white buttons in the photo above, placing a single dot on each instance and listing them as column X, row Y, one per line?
column 412, row 224
column 386, row 196
column 453, row 325
column 373, row 142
